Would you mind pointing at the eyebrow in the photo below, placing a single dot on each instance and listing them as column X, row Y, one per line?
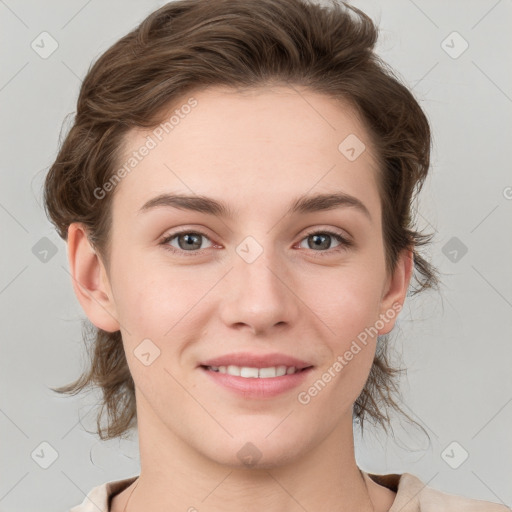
column 302, row 205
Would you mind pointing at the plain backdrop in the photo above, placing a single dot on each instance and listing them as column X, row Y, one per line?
column 456, row 345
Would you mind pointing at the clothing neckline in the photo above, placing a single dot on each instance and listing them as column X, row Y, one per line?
column 389, row 481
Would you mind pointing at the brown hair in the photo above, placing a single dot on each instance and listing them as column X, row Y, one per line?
column 188, row 45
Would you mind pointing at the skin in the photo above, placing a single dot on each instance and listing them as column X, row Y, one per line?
column 256, row 150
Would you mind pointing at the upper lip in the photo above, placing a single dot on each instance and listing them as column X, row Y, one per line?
column 256, row 360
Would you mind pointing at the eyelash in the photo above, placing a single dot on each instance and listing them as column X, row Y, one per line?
column 344, row 242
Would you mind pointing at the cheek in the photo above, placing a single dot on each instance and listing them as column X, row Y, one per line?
column 349, row 306
column 156, row 302
column 346, row 300
column 351, row 343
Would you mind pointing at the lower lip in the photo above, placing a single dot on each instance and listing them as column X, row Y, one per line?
column 256, row 387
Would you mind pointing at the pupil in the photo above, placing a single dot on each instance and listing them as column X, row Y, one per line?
column 191, row 240
column 317, row 241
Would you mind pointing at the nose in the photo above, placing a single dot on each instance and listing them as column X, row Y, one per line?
column 258, row 293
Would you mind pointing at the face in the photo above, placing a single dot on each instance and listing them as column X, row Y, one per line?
column 189, row 282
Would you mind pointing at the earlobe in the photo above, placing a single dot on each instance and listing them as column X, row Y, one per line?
column 394, row 297
column 90, row 281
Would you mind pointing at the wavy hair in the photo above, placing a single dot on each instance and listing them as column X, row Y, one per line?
column 189, row 45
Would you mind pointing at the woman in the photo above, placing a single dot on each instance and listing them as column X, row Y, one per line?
column 236, row 196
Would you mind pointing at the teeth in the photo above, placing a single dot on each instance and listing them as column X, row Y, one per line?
column 249, row 372
column 233, row 370
column 265, row 373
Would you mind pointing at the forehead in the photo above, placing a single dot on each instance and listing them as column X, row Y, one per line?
column 238, row 144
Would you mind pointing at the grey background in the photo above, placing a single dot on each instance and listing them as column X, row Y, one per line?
column 456, row 345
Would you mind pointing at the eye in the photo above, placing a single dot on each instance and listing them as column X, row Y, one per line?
column 188, row 241
column 318, row 240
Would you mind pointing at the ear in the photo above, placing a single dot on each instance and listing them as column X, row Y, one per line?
column 395, row 290
column 90, row 280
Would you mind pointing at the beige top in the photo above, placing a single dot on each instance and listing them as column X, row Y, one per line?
column 412, row 495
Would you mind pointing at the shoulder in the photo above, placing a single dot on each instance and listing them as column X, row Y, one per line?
column 98, row 498
column 415, row 496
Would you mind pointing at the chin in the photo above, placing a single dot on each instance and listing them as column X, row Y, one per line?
column 257, row 452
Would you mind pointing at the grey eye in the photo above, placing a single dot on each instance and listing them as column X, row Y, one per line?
column 187, row 241
column 320, row 240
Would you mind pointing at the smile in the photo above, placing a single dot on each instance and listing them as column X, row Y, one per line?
column 254, row 373
column 257, row 383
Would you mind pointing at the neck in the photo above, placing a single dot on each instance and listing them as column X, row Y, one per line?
column 174, row 476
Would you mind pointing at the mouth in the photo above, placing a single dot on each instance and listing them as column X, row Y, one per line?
column 248, row 372
column 254, row 383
